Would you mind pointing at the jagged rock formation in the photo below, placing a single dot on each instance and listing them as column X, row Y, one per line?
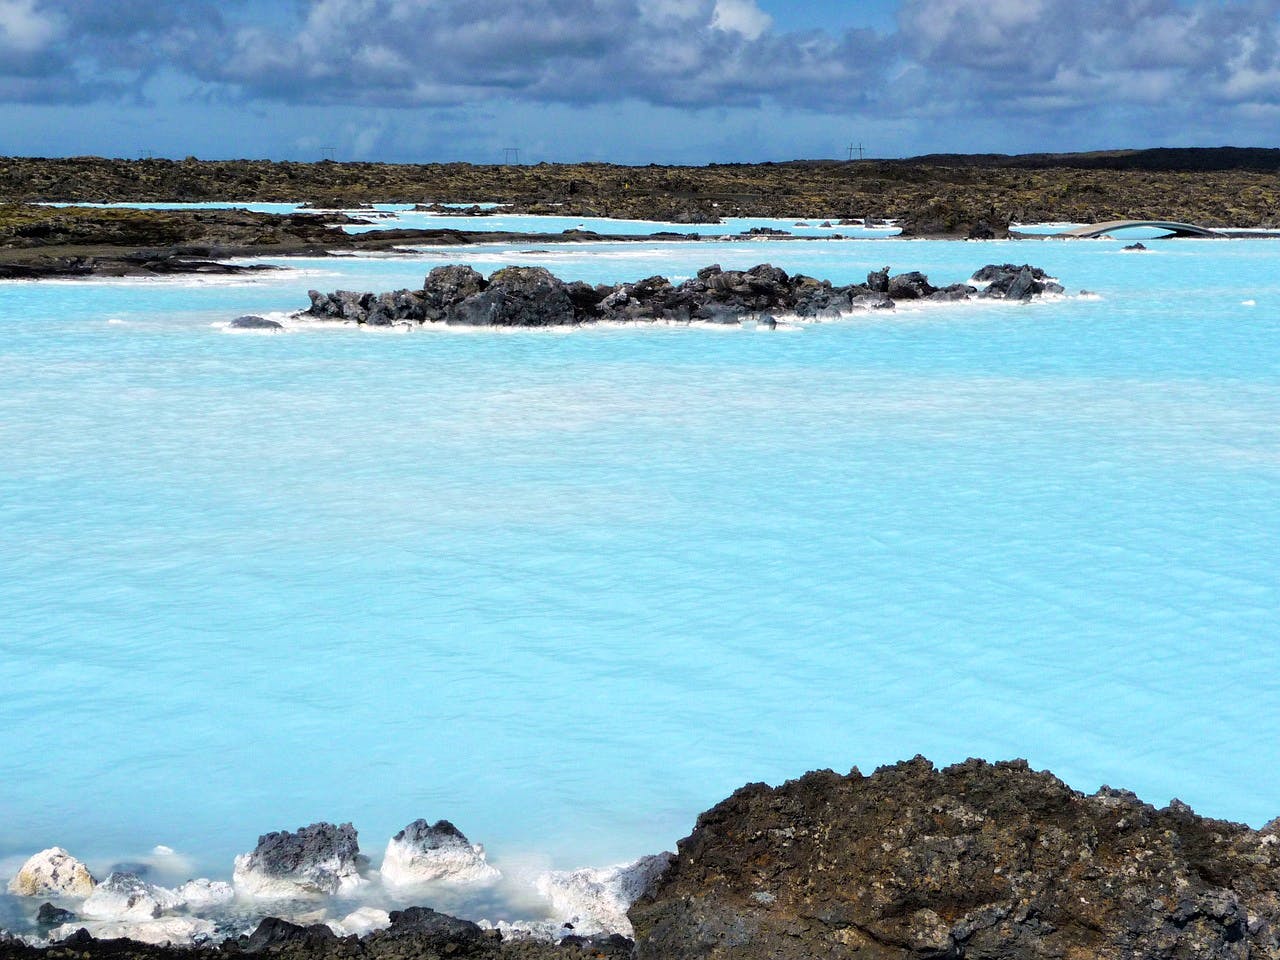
column 974, row 861
column 424, row 853
column 533, row 297
column 1011, row 282
column 52, row 872
column 317, row 859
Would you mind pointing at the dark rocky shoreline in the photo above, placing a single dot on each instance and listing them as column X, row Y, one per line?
column 38, row 243
column 533, row 297
column 947, row 194
column 977, row 861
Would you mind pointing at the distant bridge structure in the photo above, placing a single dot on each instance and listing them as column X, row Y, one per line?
column 1091, row 230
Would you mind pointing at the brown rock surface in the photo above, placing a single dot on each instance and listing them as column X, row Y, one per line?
column 974, row 861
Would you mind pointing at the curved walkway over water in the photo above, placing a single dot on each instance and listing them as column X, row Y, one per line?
column 1089, row 231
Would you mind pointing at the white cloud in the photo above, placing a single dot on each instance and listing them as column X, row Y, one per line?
column 742, row 17
column 1031, row 70
column 24, row 29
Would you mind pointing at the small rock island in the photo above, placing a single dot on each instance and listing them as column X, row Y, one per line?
column 533, row 297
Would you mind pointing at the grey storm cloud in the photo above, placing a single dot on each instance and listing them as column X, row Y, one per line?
column 945, row 55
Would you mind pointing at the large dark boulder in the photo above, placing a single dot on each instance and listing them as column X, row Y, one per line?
column 446, row 287
column 52, row 916
column 585, row 299
column 1011, row 282
column 977, row 861
column 910, row 286
column 517, row 297
column 817, row 298
column 399, row 306
column 274, row 933
column 341, row 305
column 320, row 858
column 427, row 925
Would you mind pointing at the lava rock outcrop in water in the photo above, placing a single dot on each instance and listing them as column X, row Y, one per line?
column 533, row 297
column 318, row 859
column 976, row 861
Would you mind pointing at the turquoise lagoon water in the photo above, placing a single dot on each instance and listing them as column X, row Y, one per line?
column 570, row 588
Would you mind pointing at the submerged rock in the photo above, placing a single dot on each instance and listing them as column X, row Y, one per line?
column 52, row 872
column 319, row 859
column 977, row 861
column 595, row 901
column 426, row 853
column 52, row 916
column 254, row 323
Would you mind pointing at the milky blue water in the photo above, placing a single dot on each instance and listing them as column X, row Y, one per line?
column 568, row 589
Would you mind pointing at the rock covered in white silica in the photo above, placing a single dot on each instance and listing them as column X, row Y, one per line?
column 203, row 894
column 424, row 853
column 320, row 859
column 595, row 900
column 173, row 931
column 52, row 873
column 124, row 896
column 361, row 921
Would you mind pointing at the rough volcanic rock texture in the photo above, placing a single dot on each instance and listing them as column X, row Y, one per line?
column 318, row 859
column 517, row 297
column 975, row 861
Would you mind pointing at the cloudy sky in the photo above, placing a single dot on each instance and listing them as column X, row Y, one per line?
column 632, row 81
